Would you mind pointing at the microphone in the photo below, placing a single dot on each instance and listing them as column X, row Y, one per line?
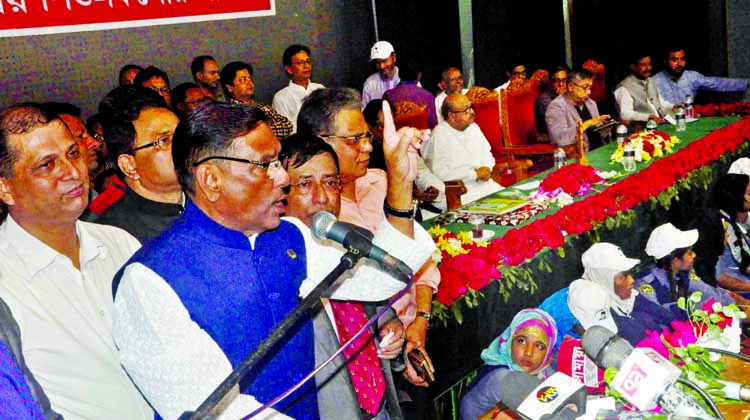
column 559, row 397
column 325, row 226
column 572, row 361
column 645, row 378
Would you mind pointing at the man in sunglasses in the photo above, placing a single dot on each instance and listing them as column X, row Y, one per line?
column 138, row 127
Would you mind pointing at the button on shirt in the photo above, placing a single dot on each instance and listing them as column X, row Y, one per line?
column 65, row 319
column 288, row 101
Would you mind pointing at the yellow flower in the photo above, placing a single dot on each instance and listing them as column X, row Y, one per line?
column 437, row 231
column 645, row 156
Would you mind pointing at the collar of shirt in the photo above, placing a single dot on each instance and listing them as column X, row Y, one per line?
column 37, row 255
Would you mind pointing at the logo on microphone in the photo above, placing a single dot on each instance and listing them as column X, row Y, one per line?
column 632, row 380
column 547, row 394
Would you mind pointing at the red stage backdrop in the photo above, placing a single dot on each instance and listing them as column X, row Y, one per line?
column 35, row 17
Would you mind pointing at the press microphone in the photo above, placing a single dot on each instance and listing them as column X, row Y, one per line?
column 558, row 397
column 326, row 226
column 645, row 377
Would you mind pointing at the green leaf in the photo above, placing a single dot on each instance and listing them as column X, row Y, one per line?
column 457, row 312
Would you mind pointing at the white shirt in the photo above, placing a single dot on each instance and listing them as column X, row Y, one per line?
column 439, row 99
column 288, row 101
column 177, row 365
column 451, row 154
column 65, row 319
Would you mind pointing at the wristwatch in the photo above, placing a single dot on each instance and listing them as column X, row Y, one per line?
column 404, row 214
column 426, row 315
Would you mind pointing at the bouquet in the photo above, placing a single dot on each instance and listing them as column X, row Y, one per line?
column 647, row 145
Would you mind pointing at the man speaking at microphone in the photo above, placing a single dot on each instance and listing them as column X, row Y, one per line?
column 196, row 301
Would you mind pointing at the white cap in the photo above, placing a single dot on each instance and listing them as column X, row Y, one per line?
column 740, row 166
column 588, row 303
column 381, row 50
column 606, row 255
column 666, row 238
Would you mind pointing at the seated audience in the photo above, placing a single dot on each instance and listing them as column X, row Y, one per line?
column 451, row 81
column 186, row 97
column 205, row 73
column 139, row 127
column 558, row 84
column 298, row 65
column 237, row 82
column 675, row 83
column 731, row 195
column 156, row 80
column 605, row 265
column 128, row 73
column 182, row 324
column 459, row 150
column 383, row 56
column 57, row 271
column 637, row 97
column 315, row 186
column 408, row 89
column 95, row 130
column 565, row 111
column 671, row 275
column 526, row 345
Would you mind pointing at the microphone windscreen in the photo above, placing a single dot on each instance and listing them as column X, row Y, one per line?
column 605, row 347
column 516, row 386
column 321, row 224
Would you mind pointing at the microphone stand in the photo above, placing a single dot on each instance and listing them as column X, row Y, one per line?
column 348, row 261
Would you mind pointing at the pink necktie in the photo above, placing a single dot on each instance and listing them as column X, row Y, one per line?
column 364, row 365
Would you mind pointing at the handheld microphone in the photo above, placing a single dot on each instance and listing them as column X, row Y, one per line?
column 645, row 378
column 325, row 226
column 558, row 397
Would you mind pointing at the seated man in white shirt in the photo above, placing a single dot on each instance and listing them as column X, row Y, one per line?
column 637, row 96
column 459, row 150
column 198, row 299
column 57, row 271
column 298, row 65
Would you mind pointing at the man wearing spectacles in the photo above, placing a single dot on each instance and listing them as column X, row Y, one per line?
column 139, row 127
column 558, row 84
column 237, row 80
column 205, row 73
column 459, row 150
column 156, row 80
column 298, row 65
column 451, row 81
column 200, row 297
column 637, row 97
column 186, row 97
column 564, row 113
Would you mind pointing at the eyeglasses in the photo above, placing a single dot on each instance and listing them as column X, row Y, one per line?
column 584, row 88
column 161, row 91
column 201, row 101
column 331, row 184
column 467, row 109
column 98, row 137
column 272, row 164
column 304, row 63
column 362, row 139
column 243, row 79
column 160, row 144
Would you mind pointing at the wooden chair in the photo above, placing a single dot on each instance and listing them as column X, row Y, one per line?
column 410, row 114
column 453, row 192
column 487, row 117
column 518, row 167
column 520, row 137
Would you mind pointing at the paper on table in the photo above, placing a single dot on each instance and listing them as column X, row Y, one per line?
column 670, row 119
column 528, row 186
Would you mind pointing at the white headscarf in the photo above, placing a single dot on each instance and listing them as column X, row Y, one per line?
column 605, row 277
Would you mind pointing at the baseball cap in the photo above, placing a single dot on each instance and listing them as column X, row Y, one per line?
column 381, row 50
column 666, row 238
column 740, row 166
column 606, row 255
column 588, row 303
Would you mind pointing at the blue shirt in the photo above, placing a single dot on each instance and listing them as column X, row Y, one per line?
column 646, row 316
column 691, row 82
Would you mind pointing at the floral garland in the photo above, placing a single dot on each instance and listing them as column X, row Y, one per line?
column 722, row 110
column 647, row 146
column 658, row 183
column 574, row 179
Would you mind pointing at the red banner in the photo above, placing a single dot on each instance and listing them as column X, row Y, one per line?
column 35, row 17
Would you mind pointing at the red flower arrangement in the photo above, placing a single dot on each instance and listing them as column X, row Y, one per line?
column 713, row 110
column 574, row 179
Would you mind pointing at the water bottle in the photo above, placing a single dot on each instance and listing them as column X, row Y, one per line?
column 689, row 109
column 651, row 126
column 559, row 158
column 621, row 133
column 628, row 157
column 679, row 116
